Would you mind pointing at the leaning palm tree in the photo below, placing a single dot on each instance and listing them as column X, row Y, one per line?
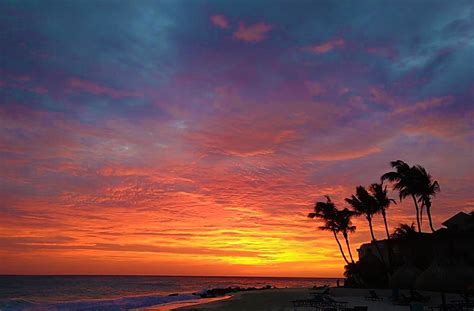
column 405, row 181
column 379, row 192
column 365, row 204
column 327, row 212
column 345, row 226
column 427, row 189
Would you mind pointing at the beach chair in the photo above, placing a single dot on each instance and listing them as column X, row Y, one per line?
column 324, row 290
column 314, row 302
column 358, row 308
column 461, row 305
column 373, row 296
column 402, row 300
column 417, row 297
column 321, row 303
column 395, row 295
column 453, row 307
column 329, row 300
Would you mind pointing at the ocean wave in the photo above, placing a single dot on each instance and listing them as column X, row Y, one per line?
column 124, row 303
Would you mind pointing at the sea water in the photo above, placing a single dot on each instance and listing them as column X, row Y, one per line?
column 122, row 292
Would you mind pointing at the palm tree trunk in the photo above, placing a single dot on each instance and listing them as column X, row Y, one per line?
column 375, row 241
column 385, row 222
column 348, row 247
column 340, row 247
column 417, row 213
column 428, row 211
column 390, row 251
column 421, row 214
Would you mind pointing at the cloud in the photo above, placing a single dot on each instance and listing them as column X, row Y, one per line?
column 399, row 105
column 325, row 47
column 252, row 33
column 442, row 125
column 427, row 104
column 383, row 51
column 76, row 84
column 314, row 88
column 347, row 155
column 152, row 143
column 13, row 241
column 219, row 21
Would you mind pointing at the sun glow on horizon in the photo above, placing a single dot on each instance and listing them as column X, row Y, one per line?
column 193, row 138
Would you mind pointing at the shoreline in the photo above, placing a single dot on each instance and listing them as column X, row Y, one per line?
column 181, row 292
column 224, row 301
column 280, row 299
column 182, row 305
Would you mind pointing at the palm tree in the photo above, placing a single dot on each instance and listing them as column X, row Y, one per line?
column 427, row 189
column 345, row 226
column 327, row 212
column 352, row 274
column 380, row 194
column 407, row 234
column 404, row 231
column 405, row 181
column 365, row 204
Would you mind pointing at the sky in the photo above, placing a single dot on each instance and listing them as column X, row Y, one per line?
column 193, row 137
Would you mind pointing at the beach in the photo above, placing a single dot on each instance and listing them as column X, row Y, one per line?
column 281, row 300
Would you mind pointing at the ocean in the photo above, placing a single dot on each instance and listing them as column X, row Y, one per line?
column 122, row 292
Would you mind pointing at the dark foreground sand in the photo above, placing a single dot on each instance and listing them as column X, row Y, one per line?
column 281, row 300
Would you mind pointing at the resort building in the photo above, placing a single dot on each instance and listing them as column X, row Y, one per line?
column 454, row 240
column 459, row 222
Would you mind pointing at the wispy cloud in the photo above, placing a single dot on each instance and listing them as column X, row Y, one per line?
column 252, row 33
column 220, row 21
column 153, row 144
column 76, row 84
column 325, row 47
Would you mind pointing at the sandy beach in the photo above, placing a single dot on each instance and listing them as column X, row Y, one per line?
column 184, row 305
column 281, row 300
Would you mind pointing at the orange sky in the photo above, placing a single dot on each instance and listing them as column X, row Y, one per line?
column 239, row 223
column 194, row 139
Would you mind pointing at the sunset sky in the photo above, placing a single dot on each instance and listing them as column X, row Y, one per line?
column 193, row 137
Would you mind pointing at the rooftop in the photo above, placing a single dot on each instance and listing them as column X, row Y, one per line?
column 459, row 220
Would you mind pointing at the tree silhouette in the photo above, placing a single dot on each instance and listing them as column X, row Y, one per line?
column 426, row 189
column 365, row 204
column 404, row 180
column 327, row 212
column 404, row 231
column 344, row 223
column 379, row 192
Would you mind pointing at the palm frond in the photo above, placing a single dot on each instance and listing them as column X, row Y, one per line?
column 325, row 228
column 404, row 230
column 351, row 228
column 390, row 176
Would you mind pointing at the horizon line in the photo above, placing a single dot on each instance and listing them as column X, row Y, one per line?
column 165, row 275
